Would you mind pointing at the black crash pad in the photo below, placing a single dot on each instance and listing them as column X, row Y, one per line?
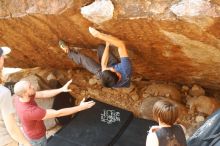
column 136, row 133
column 101, row 125
column 57, row 141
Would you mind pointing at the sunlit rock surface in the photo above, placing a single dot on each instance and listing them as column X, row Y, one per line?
column 169, row 40
column 99, row 11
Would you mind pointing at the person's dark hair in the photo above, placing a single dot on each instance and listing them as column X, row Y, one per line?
column 109, row 78
column 166, row 111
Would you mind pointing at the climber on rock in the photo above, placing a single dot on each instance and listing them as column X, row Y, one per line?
column 112, row 72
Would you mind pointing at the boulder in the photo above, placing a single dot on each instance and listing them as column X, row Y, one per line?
column 200, row 119
column 99, row 11
column 203, row 104
column 197, row 91
column 163, row 90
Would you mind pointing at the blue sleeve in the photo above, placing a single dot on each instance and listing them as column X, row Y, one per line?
column 125, row 66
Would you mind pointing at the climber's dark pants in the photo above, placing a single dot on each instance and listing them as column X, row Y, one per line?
column 90, row 64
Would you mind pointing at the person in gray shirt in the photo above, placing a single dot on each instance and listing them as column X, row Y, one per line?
column 10, row 133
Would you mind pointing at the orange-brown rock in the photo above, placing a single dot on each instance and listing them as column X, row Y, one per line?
column 167, row 40
column 197, row 91
column 203, row 104
column 164, row 90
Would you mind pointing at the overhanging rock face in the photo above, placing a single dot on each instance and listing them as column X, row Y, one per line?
column 171, row 40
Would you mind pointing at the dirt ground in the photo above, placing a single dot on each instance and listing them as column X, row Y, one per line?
column 139, row 97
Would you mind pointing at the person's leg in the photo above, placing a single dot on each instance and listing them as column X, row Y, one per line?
column 87, row 62
column 112, row 58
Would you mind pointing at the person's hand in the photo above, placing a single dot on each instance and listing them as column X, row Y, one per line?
column 85, row 105
column 94, row 32
column 107, row 44
column 65, row 87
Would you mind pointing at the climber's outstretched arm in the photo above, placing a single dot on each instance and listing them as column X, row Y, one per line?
column 112, row 40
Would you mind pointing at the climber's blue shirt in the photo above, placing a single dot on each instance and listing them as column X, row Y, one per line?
column 124, row 67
